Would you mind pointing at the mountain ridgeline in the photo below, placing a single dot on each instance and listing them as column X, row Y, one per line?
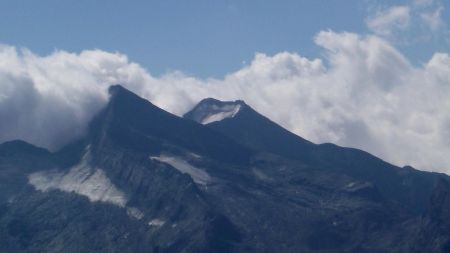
column 222, row 178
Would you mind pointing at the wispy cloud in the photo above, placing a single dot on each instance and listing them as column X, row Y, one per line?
column 390, row 20
column 415, row 22
column 433, row 18
column 423, row 2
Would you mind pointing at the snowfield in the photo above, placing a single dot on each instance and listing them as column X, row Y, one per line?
column 221, row 113
column 80, row 179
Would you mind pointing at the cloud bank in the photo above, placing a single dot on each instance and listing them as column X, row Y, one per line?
column 363, row 93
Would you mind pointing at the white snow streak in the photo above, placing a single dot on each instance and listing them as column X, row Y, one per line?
column 221, row 113
column 156, row 223
column 135, row 213
column 80, row 179
column 198, row 175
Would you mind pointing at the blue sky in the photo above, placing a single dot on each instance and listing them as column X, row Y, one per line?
column 369, row 74
column 201, row 38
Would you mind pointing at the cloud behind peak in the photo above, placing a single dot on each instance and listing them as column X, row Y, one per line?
column 363, row 93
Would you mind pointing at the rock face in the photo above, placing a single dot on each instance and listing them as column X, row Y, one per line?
column 222, row 179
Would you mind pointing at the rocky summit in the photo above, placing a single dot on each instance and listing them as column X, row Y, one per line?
column 223, row 178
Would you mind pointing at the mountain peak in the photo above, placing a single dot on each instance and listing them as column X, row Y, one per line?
column 117, row 91
column 136, row 124
column 246, row 126
column 211, row 110
column 113, row 89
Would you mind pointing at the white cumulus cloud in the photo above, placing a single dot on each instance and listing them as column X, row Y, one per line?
column 48, row 100
column 363, row 93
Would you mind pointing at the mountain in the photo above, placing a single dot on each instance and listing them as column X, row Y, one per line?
column 406, row 186
column 221, row 179
column 128, row 118
column 249, row 128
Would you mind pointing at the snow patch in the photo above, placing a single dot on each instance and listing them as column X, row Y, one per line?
column 81, row 179
column 260, row 175
column 156, row 223
column 135, row 213
column 198, row 175
column 351, row 184
column 220, row 113
column 194, row 155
